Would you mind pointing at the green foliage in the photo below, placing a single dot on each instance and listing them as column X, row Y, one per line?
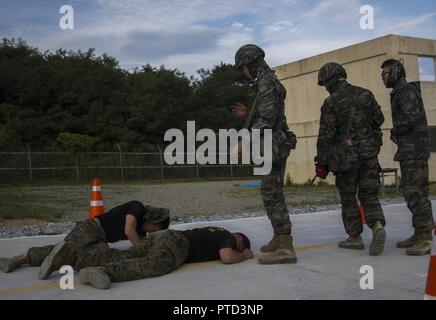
column 74, row 142
column 44, row 95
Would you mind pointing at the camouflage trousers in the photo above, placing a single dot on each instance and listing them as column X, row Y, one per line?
column 158, row 254
column 273, row 199
column 414, row 181
column 88, row 240
column 364, row 183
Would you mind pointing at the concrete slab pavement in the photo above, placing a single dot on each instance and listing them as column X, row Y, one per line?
column 323, row 271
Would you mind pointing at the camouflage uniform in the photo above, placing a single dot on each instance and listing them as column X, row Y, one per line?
column 410, row 129
column 270, row 114
column 352, row 116
column 88, row 240
column 160, row 253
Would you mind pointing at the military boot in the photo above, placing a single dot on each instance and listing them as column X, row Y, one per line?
column 96, row 277
column 10, row 264
column 62, row 254
column 378, row 239
column 272, row 245
column 353, row 242
column 285, row 252
column 422, row 246
column 409, row 242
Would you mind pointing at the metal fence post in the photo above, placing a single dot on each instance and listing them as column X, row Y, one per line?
column 196, row 168
column 77, row 166
column 161, row 165
column 121, row 162
column 30, row 161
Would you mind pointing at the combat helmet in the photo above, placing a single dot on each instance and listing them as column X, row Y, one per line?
column 396, row 71
column 329, row 71
column 248, row 54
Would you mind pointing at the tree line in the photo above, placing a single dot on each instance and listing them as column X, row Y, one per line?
column 81, row 101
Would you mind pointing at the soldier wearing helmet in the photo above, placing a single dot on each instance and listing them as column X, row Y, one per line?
column 349, row 142
column 269, row 113
column 410, row 134
column 331, row 75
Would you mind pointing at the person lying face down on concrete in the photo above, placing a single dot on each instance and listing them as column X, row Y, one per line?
column 159, row 253
column 131, row 220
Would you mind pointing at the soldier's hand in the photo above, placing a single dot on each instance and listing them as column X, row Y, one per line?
column 248, row 254
column 239, row 110
column 321, row 171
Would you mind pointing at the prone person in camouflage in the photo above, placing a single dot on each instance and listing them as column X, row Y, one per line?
column 410, row 134
column 164, row 251
column 349, row 142
column 131, row 220
column 268, row 113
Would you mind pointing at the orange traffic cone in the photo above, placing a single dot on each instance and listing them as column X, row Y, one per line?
column 362, row 212
column 96, row 207
column 430, row 290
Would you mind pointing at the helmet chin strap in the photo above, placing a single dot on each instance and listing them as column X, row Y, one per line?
column 332, row 84
column 391, row 83
column 254, row 70
column 245, row 80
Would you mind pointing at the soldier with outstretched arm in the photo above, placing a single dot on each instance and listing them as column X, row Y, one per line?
column 268, row 112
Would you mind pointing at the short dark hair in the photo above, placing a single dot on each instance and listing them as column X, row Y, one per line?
column 164, row 224
column 388, row 63
column 245, row 240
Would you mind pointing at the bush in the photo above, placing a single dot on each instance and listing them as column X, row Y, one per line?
column 74, row 142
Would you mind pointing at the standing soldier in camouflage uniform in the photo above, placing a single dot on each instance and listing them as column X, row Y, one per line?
column 90, row 237
column 410, row 134
column 269, row 113
column 349, row 141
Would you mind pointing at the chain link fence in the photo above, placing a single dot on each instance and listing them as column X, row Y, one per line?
column 119, row 162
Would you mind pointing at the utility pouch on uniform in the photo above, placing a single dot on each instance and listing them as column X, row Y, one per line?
column 291, row 139
column 343, row 157
column 284, row 142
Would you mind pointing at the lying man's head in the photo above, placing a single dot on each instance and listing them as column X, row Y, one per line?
column 242, row 241
column 152, row 227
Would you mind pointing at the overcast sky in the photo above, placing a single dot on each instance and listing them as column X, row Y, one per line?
column 193, row 34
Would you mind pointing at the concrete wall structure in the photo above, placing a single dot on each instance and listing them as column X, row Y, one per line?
column 362, row 62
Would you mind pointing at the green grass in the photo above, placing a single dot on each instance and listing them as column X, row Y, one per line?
column 45, row 202
column 17, row 208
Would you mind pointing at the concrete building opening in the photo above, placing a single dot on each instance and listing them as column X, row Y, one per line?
column 426, row 68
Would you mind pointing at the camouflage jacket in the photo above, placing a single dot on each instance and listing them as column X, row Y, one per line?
column 410, row 127
column 350, row 114
column 269, row 111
